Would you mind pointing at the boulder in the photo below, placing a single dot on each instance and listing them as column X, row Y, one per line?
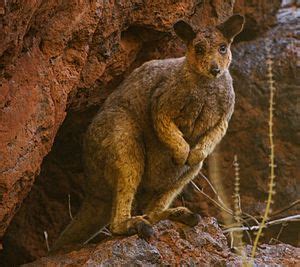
column 173, row 244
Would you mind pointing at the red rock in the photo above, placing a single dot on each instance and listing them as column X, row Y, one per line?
column 260, row 16
column 37, row 74
column 173, row 244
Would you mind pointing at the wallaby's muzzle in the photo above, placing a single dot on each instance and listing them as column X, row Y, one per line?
column 214, row 70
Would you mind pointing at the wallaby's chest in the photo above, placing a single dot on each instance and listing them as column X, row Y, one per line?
column 203, row 109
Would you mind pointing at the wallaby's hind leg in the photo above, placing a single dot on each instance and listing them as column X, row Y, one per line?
column 91, row 217
column 125, row 169
column 159, row 208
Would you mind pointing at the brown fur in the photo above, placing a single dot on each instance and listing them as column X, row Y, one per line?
column 152, row 134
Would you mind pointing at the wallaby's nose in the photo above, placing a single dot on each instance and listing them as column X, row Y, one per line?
column 214, row 70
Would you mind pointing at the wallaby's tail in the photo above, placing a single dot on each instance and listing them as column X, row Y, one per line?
column 92, row 216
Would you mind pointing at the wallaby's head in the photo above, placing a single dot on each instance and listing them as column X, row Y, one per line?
column 208, row 50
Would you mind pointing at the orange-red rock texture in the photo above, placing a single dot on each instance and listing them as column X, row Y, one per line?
column 173, row 245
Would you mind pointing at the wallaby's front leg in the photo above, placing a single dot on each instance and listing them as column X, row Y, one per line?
column 159, row 208
column 168, row 133
column 207, row 143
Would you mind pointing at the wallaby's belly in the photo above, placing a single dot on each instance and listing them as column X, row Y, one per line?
column 160, row 170
column 195, row 121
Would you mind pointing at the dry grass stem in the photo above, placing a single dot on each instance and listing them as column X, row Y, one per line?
column 46, row 240
column 293, row 218
column 69, row 206
column 272, row 166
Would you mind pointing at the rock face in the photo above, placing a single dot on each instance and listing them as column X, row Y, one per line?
column 173, row 244
column 40, row 65
column 260, row 16
column 250, row 123
column 60, row 60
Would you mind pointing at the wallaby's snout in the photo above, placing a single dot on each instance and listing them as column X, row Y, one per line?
column 214, row 69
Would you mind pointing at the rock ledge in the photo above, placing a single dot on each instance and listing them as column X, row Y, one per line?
column 173, row 244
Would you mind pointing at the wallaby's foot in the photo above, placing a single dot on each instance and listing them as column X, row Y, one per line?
column 144, row 230
column 179, row 214
column 135, row 225
column 185, row 216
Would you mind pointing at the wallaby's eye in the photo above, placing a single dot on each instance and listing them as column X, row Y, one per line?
column 223, row 49
column 199, row 49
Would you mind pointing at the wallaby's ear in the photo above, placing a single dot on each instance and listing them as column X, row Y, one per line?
column 232, row 26
column 184, row 31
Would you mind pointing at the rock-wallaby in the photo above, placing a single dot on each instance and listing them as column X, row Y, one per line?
column 152, row 134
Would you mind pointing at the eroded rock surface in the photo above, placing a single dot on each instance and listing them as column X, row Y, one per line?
column 260, row 16
column 173, row 244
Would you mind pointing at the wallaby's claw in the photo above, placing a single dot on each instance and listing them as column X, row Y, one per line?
column 192, row 219
column 144, row 230
column 186, row 217
column 135, row 225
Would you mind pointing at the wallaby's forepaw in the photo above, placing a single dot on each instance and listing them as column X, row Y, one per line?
column 185, row 216
column 180, row 157
column 195, row 157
